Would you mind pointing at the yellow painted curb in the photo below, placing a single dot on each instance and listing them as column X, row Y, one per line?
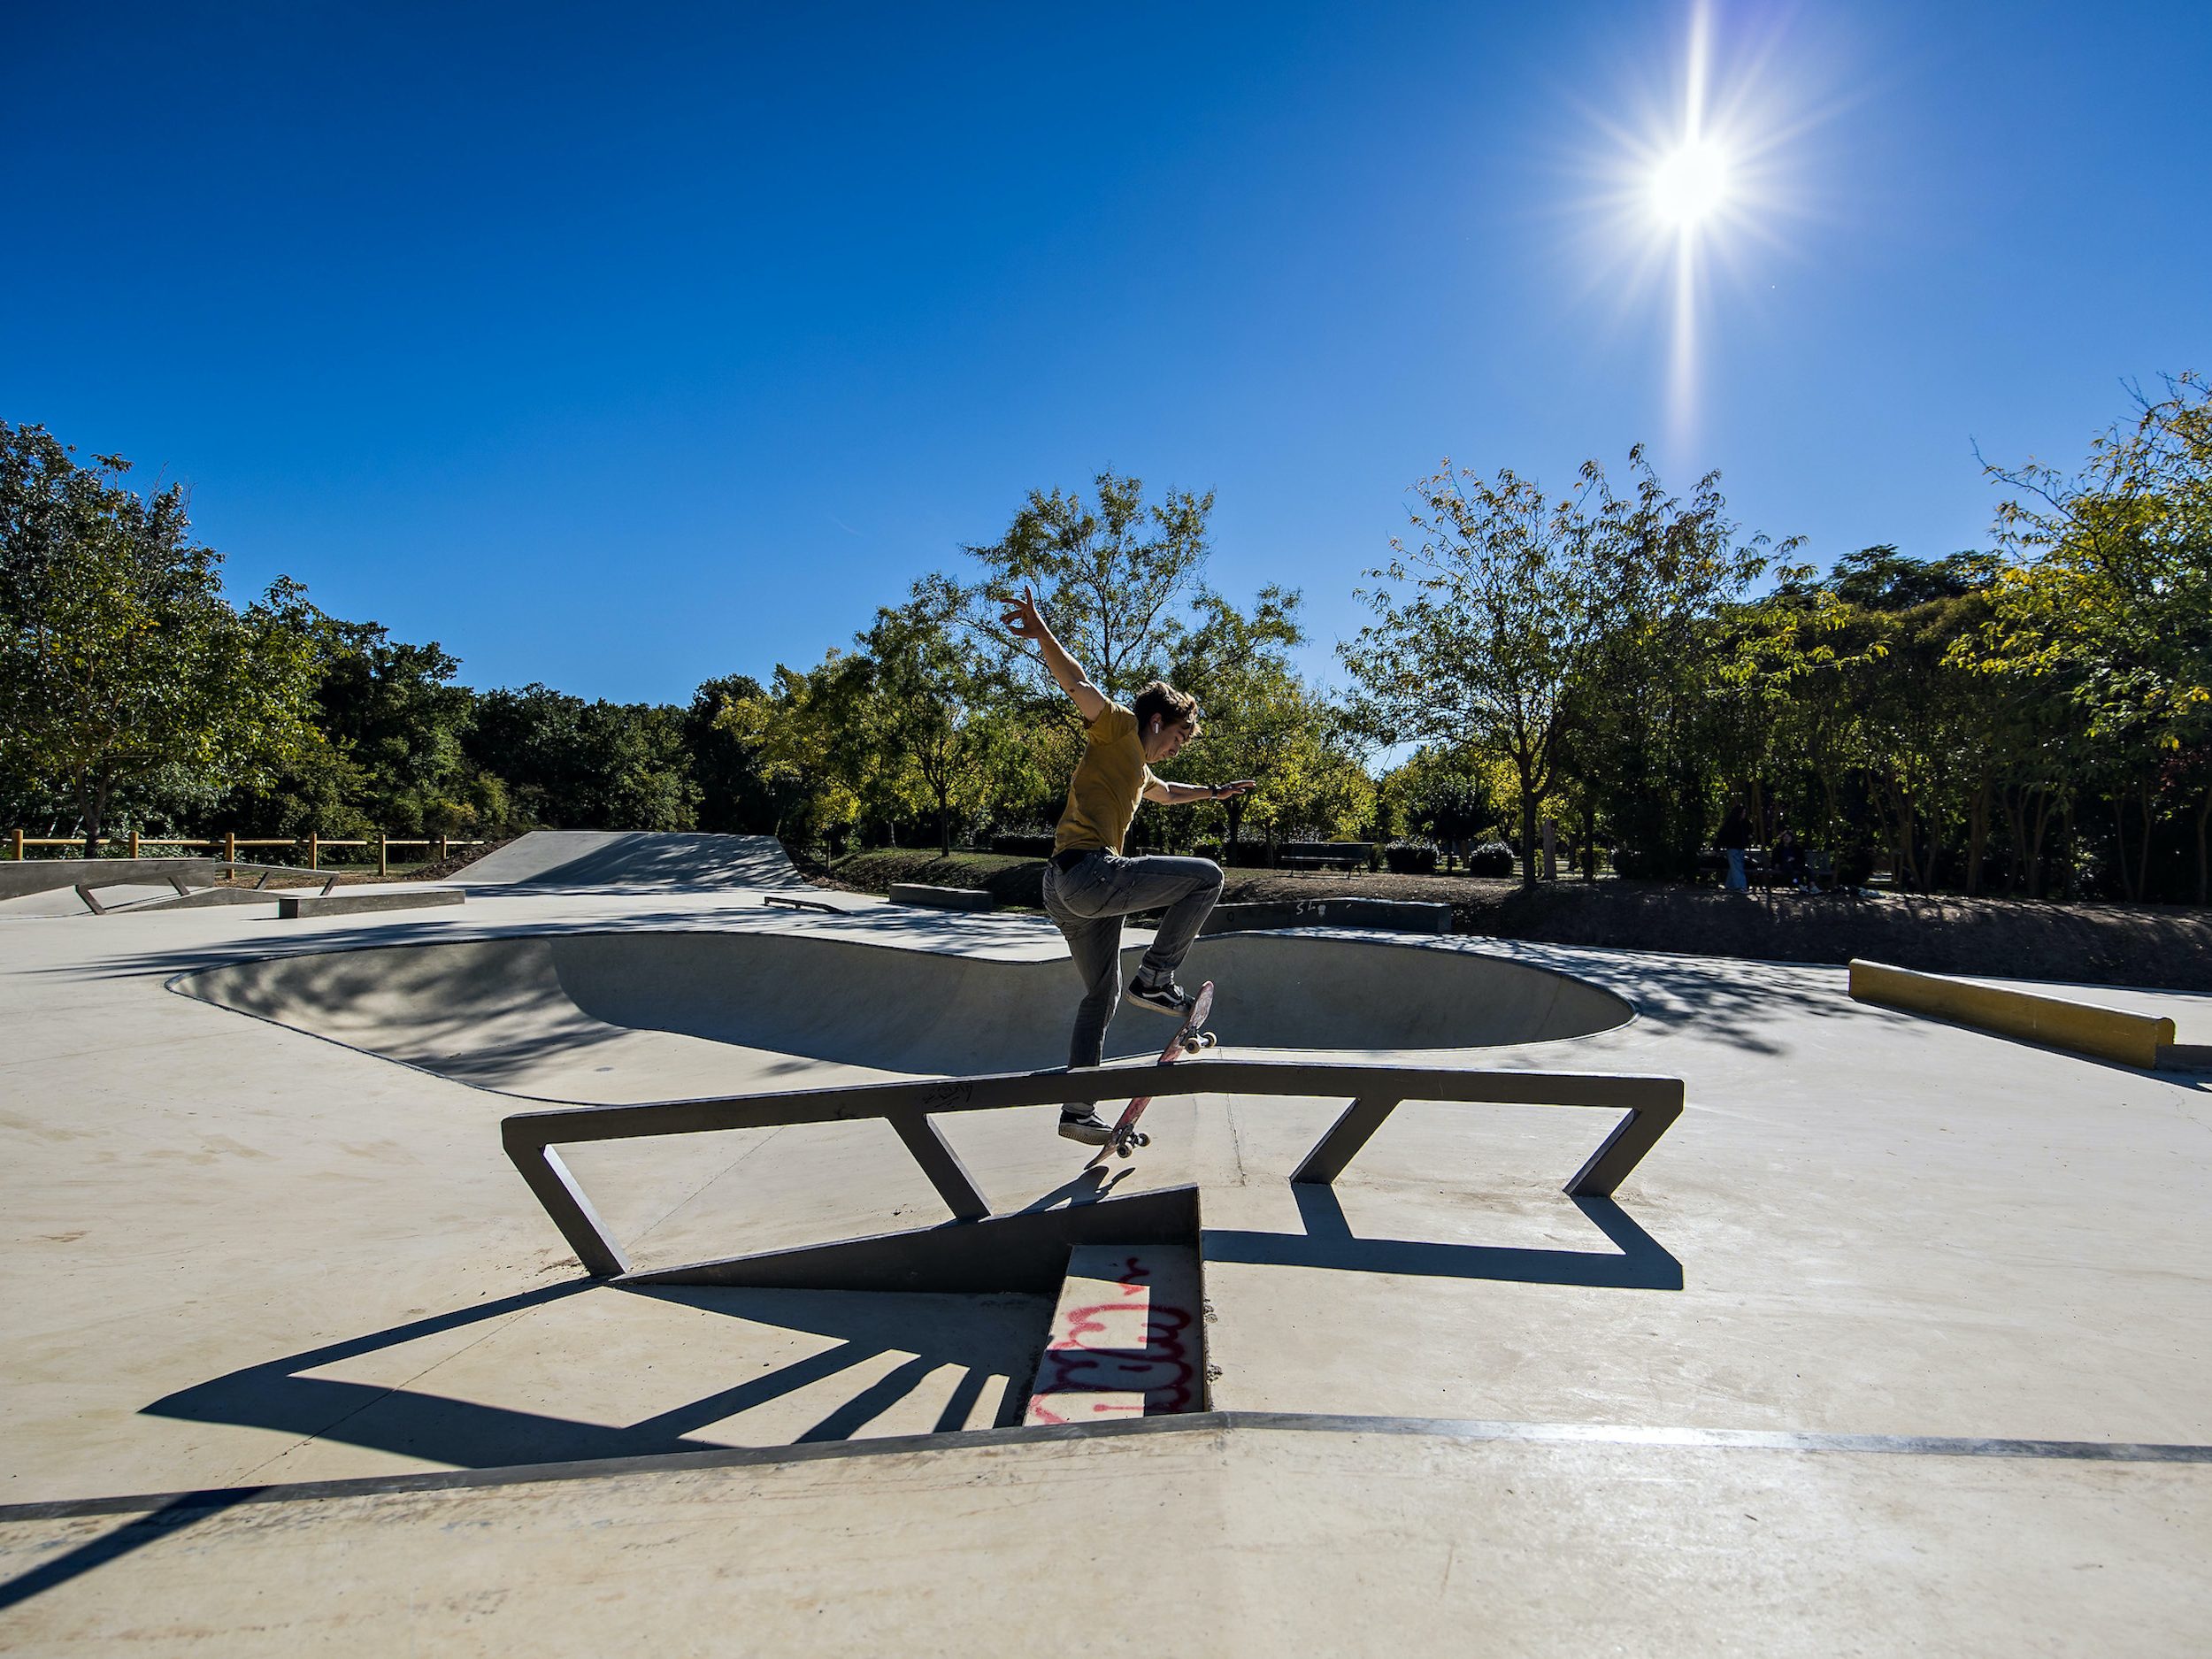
column 2105, row 1032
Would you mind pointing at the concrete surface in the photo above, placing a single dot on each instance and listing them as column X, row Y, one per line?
column 245, row 1252
column 633, row 860
column 942, row 898
column 1128, row 1338
column 637, row 1015
column 292, row 907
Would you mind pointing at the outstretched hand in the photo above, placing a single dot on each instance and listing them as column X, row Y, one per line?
column 1223, row 791
column 1021, row 619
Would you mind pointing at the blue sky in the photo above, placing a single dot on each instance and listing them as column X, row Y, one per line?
column 619, row 347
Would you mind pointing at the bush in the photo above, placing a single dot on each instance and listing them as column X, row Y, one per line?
column 1636, row 864
column 1492, row 858
column 1411, row 858
column 1022, row 846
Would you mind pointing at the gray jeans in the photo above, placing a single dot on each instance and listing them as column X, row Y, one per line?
column 1088, row 902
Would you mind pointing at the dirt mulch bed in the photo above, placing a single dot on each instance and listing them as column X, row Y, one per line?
column 2155, row 947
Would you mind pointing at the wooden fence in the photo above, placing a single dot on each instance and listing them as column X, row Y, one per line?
column 316, row 845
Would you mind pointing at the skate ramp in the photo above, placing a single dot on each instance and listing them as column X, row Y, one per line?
column 633, row 858
column 634, row 1016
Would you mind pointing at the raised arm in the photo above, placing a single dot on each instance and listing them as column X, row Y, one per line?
column 1185, row 794
column 1024, row 622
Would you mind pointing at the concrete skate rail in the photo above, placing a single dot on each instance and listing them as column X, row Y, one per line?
column 1652, row 1104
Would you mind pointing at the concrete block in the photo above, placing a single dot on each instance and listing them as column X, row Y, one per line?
column 293, row 906
column 942, row 898
column 1397, row 915
column 206, row 898
column 2184, row 1057
column 1127, row 1337
column 2081, row 1027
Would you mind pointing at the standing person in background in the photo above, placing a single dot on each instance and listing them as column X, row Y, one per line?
column 1089, row 887
column 1735, row 836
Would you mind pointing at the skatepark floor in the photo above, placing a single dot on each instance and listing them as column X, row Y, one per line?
column 1895, row 1342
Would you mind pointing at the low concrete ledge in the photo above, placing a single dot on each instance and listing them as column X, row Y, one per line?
column 2137, row 1040
column 1395, row 915
column 204, row 898
column 942, row 898
column 293, row 906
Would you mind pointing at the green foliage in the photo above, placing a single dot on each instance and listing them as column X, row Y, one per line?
column 1881, row 579
column 120, row 660
column 736, row 795
column 1112, row 576
column 1544, row 633
column 567, row 763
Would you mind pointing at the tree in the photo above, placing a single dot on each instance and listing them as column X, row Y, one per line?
column 572, row 764
column 2112, row 603
column 736, row 795
column 932, row 712
column 1516, row 620
column 120, row 657
column 1258, row 718
column 1111, row 576
column 808, row 746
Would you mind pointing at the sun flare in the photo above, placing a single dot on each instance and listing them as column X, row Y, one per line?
column 1690, row 184
column 1703, row 160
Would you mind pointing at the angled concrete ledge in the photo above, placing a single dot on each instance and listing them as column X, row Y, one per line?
column 942, row 898
column 292, row 907
column 1396, row 915
column 2108, row 1033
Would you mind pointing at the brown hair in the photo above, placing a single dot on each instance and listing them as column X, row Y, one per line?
column 1174, row 708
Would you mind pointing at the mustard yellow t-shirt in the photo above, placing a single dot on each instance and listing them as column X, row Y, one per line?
column 1109, row 783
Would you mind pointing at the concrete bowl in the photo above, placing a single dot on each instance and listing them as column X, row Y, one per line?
column 638, row 1015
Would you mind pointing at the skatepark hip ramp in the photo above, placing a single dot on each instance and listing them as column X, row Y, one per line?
column 633, row 1016
column 643, row 859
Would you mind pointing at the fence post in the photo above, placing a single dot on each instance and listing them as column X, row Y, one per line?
column 230, row 847
column 16, row 851
column 134, row 843
column 383, row 854
column 441, row 849
column 314, row 846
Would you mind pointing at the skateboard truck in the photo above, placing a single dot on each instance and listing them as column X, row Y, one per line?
column 1188, row 1038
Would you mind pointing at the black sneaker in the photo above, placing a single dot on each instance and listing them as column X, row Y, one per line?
column 1167, row 998
column 1083, row 1123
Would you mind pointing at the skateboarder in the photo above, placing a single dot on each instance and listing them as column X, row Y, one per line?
column 1089, row 887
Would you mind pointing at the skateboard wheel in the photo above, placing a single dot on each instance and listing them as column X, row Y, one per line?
column 1144, row 1141
column 1208, row 1041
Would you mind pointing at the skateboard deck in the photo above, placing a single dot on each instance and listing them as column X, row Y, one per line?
column 1189, row 1038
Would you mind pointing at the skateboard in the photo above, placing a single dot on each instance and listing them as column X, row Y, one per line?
column 1188, row 1038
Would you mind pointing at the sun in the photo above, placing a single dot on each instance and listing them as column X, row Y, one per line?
column 1690, row 184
